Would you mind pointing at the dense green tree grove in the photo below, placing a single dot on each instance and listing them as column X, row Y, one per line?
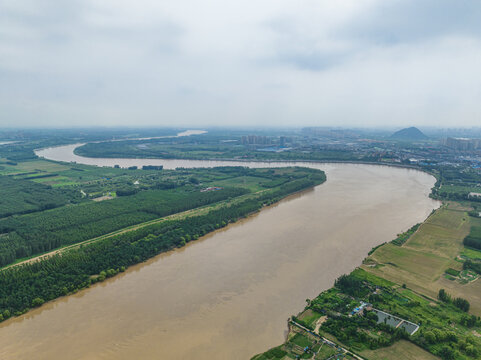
column 474, row 238
column 23, row 196
column 472, row 265
column 351, row 285
column 39, row 232
column 17, row 152
column 462, row 178
column 29, row 285
column 350, row 330
column 460, row 303
column 315, row 177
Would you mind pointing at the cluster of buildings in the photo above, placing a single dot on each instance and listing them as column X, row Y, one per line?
column 341, row 143
column 386, row 318
column 284, row 140
column 281, row 141
column 462, row 144
column 212, row 188
column 256, row 140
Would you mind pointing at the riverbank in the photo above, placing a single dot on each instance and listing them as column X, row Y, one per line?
column 66, row 153
column 413, row 273
column 76, row 267
column 82, row 154
column 231, row 292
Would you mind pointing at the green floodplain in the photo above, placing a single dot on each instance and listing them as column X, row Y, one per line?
column 425, row 279
column 427, row 276
column 205, row 147
column 64, row 227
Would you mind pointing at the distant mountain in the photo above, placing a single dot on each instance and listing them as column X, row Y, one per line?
column 409, row 134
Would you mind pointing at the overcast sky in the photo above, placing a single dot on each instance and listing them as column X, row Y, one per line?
column 218, row 62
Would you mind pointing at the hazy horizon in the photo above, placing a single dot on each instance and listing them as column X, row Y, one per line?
column 349, row 63
column 240, row 127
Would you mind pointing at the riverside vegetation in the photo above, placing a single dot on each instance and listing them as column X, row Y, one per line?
column 426, row 276
column 208, row 146
column 123, row 230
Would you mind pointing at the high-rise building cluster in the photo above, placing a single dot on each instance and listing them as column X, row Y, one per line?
column 255, row 140
column 462, row 143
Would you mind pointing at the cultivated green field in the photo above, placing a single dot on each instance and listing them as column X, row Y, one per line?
column 461, row 189
column 421, row 262
column 406, row 349
column 404, row 278
column 471, row 253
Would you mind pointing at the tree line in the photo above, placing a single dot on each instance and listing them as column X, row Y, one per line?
column 29, row 285
column 43, row 231
column 473, row 239
column 21, row 196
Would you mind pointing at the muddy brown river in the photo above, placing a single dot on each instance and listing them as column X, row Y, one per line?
column 229, row 294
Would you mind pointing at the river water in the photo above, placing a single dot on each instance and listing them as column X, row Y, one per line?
column 229, row 294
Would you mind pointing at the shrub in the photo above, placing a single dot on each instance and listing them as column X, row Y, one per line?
column 37, row 302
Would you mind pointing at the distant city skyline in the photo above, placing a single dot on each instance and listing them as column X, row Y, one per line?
column 347, row 63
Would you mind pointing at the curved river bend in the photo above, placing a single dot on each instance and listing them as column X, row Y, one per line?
column 229, row 294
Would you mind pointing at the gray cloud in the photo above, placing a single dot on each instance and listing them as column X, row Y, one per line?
column 269, row 62
column 384, row 24
column 394, row 22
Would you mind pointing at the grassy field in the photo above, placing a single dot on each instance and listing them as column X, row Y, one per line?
column 32, row 166
column 408, row 350
column 96, row 181
column 475, row 222
column 471, row 253
column 462, row 205
column 422, row 261
column 63, row 174
column 441, row 234
column 325, row 352
column 309, row 317
column 249, row 182
column 409, row 276
column 458, row 188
